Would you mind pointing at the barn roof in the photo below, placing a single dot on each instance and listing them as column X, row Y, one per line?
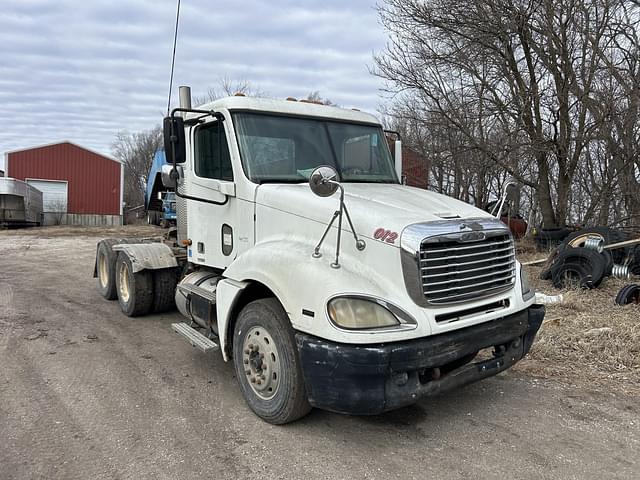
column 62, row 142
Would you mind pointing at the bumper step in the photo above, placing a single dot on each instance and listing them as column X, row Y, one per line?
column 194, row 337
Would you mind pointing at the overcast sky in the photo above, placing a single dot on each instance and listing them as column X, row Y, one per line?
column 83, row 70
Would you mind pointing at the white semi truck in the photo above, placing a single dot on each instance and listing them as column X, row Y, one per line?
column 301, row 257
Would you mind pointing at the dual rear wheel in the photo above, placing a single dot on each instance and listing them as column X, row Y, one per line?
column 138, row 293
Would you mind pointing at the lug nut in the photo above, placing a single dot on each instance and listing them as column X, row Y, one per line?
column 258, row 381
column 253, row 379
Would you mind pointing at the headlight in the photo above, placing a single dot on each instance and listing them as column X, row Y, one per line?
column 527, row 290
column 355, row 313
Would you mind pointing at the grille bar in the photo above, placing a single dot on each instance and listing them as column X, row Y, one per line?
column 466, row 247
column 463, row 287
column 455, row 271
column 485, row 292
column 465, row 255
column 458, row 280
column 473, row 262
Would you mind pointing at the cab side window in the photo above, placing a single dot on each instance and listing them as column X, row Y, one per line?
column 212, row 159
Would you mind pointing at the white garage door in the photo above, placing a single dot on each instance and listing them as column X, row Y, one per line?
column 54, row 194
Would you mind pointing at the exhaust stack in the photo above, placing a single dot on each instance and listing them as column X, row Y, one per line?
column 185, row 96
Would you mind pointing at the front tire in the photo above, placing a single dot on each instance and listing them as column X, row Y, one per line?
column 135, row 290
column 267, row 363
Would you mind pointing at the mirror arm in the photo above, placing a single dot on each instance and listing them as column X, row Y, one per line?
column 505, row 192
column 174, row 172
column 336, row 264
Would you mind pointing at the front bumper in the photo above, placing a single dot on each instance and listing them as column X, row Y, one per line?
column 371, row 379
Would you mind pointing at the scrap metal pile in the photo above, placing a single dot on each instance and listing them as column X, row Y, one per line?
column 584, row 258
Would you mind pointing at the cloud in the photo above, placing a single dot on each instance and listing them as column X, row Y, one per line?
column 83, row 71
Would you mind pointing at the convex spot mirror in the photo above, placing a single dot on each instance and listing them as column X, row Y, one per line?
column 174, row 142
column 323, row 181
column 167, row 179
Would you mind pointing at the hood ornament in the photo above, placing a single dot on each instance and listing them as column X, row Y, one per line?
column 323, row 183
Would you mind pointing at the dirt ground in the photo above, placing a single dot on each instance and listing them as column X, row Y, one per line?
column 86, row 392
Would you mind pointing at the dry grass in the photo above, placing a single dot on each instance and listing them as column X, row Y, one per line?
column 587, row 339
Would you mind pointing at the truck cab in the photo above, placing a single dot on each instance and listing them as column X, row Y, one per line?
column 326, row 281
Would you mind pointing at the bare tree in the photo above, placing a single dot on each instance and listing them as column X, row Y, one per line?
column 229, row 88
column 136, row 151
column 514, row 85
column 316, row 97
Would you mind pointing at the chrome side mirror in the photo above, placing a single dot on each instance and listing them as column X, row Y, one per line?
column 323, row 181
column 167, row 179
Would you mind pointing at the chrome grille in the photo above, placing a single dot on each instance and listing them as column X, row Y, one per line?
column 454, row 270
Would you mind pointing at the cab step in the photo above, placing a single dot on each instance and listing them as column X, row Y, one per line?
column 194, row 337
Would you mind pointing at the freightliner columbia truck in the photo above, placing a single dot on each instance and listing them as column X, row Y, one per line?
column 301, row 257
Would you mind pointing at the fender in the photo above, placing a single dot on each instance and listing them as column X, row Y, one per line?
column 227, row 293
column 304, row 284
column 148, row 256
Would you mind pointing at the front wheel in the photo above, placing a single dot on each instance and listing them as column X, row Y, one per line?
column 267, row 364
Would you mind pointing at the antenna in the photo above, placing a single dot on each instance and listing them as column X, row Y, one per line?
column 173, row 57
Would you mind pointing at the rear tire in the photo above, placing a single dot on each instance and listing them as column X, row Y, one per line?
column 165, row 282
column 135, row 290
column 106, row 269
column 152, row 217
column 272, row 385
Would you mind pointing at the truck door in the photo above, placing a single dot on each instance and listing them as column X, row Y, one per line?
column 212, row 226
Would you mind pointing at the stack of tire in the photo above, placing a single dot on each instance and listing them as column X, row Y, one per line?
column 572, row 264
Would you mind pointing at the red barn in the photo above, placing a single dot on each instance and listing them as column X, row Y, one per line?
column 415, row 167
column 79, row 187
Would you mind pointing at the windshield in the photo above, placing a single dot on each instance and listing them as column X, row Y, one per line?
column 287, row 149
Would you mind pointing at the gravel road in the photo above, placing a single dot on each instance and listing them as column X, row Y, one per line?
column 88, row 393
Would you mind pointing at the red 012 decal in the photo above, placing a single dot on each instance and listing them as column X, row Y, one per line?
column 385, row 235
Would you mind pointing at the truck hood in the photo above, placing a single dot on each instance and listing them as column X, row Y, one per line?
column 370, row 205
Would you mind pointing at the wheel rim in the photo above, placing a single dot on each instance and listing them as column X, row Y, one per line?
column 261, row 362
column 581, row 239
column 123, row 282
column 103, row 271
